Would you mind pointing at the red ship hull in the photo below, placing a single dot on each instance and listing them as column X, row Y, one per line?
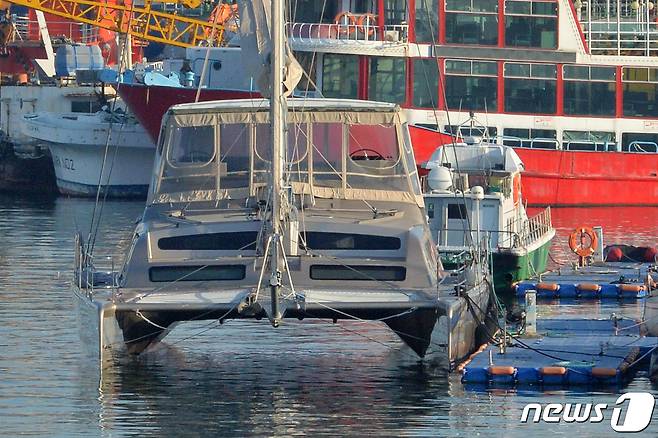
column 570, row 178
column 150, row 103
column 552, row 177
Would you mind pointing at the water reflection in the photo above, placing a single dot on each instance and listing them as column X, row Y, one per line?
column 245, row 377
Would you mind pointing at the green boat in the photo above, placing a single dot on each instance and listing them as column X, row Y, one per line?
column 473, row 199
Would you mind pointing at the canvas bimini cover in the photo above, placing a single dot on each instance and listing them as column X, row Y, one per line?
column 336, row 149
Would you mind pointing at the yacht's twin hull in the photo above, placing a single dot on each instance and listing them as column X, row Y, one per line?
column 444, row 331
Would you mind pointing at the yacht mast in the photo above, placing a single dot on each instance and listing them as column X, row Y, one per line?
column 277, row 118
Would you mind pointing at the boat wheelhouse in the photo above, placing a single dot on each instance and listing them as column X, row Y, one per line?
column 355, row 240
column 474, row 194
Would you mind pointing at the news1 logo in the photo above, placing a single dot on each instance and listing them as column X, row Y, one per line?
column 637, row 407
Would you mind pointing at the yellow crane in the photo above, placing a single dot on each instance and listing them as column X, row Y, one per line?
column 142, row 22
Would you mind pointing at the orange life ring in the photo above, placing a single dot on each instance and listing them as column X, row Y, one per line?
column 367, row 24
column 578, row 244
column 516, row 189
column 346, row 22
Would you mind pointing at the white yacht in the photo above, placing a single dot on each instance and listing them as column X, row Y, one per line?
column 347, row 232
column 106, row 148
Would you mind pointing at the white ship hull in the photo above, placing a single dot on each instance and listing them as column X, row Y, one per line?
column 84, row 156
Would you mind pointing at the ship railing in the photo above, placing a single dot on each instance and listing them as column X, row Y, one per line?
column 27, row 29
column 647, row 147
column 620, row 28
column 332, row 32
column 589, row 145
column 535, row 228
column 87, row 276
column 536, row 142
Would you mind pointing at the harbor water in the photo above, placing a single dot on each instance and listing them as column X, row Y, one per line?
column 246, row 378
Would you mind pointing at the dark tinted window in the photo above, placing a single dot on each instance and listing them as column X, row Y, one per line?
column 426, row 83
column 319, row 240
column 639, row 142
column 197, row 273
column 456, row 211
column 536, row 96
column 471, row 93
column 387, row 78
column 340, row 76
column 589, row 98
column 427, row 21
column 359, row 273
column 212, row 242
column 478, row 29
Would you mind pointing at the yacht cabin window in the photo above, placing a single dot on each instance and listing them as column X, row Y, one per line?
column 206, row 161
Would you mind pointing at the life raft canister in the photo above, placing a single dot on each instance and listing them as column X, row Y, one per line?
column 578, row 241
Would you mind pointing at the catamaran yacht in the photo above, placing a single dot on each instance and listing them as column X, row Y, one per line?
column 353, row 242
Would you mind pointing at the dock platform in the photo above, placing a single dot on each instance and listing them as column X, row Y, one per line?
column 565, row 353
column 605, row 280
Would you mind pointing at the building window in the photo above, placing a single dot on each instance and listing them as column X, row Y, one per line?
column 589, row 91
column 426, row 24
column 640, row 88
column 340, row 76
column 530, row 88
column 387, row 79
column 472, row 22
column 588, row 141
column 471, row 85
column 639, row 142
column 531, row 23
column 426, row 84
column 530, row 138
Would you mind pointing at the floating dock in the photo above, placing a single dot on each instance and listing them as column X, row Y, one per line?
column 609, row 280
column 564, row 353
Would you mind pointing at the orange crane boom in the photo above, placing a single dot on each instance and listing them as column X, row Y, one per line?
column 141, row 22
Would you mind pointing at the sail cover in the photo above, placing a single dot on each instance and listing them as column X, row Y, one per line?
column 256, row 43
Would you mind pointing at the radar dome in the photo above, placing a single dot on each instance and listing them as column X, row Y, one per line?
column 440, row 178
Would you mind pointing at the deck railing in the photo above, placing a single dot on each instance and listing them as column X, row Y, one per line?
column 27, row 30
column 527, row 231
column 331, row 32
column 536, row 227
column 87, row 276
column 619, row 27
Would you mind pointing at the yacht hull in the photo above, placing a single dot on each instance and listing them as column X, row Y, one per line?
column 445, row 331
